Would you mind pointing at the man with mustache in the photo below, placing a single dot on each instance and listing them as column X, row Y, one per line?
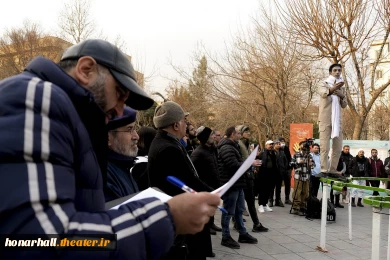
column 122, row 152
column 53, row 158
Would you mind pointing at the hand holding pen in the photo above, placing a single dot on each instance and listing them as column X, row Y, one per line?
column 178, row 183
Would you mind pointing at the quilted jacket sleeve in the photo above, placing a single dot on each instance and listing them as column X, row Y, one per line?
column 37, row 180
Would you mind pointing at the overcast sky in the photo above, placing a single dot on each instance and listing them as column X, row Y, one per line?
column 155, row 31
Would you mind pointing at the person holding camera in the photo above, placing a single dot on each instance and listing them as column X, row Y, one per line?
column 302, row 162
column 332, row 100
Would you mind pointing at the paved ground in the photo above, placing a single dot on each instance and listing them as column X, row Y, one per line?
column 292, row 237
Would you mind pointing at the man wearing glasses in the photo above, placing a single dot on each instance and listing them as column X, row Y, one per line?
column 53, row 158
column 332, row 100
column 122, row 144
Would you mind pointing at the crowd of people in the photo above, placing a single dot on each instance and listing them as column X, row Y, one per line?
column 69, row 144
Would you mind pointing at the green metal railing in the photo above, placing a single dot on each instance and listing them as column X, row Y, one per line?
column 377, row 203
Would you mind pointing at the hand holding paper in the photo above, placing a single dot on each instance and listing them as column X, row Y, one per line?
column 244, row 167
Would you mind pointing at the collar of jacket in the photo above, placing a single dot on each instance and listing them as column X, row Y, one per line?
column 358, row 159
column 346, row 154
column 210, row 148
column 227, row 141
column 49, row 71
column 121, row 160
column 167, row 134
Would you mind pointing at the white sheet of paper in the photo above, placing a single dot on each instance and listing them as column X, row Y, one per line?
column 244, row 167
column 148, row 193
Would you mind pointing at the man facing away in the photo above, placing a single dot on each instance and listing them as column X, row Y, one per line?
column 332, row 100
column 53, row 140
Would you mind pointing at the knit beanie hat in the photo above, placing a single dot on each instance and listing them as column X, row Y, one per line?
column 168, row 113
column 242, row 128
column 203, row 134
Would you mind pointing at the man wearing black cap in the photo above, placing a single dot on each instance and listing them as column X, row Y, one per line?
column 122, row 144
column 205, row 161
column 168, row 157
column 54, row 142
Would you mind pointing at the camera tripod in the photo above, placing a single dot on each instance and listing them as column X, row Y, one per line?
column 307, row 173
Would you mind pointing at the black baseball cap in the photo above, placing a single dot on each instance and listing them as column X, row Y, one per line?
column 111, row 57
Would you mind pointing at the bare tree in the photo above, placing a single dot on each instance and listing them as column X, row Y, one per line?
column 19, row 45
column 75, row 21
column 264, row 74
column 342, row 32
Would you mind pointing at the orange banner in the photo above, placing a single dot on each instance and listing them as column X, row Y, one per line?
column 298, row 133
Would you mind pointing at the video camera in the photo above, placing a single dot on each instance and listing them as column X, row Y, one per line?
column 306, row 144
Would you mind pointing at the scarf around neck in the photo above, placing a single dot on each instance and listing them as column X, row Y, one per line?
column 336, row 124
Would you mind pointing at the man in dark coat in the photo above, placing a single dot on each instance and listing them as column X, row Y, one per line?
column 53, row 140
column 377, row 169
column 265, row 176
column 249, row 178
column 205, row 161
column 287, row 176
column 282, row 165
column 347, row 158
column 229, row 161
column 122, row 144
column 168, row 157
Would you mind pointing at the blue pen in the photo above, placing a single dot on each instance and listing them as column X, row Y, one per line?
column 178, row 183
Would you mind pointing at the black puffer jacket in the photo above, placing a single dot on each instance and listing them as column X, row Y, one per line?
column 264, row 156
column 229, row 160
column 205, row 161
column 282, row 163
column 347, row 159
